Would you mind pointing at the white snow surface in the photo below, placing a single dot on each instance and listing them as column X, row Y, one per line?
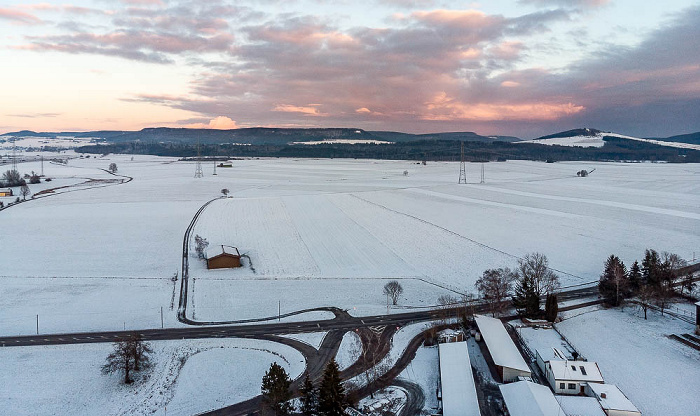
column 66, row 379
column 319, row 233
column 660, row 376
column 315, row 339
column 423, row 370
column 349, row 351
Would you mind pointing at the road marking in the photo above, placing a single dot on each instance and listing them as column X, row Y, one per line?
column 318, row 325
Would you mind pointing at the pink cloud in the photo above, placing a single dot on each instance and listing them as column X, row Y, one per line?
column 218, row 123
column 19, row 17
column 309, row 110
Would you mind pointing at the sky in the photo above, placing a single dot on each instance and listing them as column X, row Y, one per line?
column 523, row 67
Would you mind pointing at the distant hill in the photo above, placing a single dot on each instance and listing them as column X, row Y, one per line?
column 260, row 135
column 692, row 138
column 585, row 132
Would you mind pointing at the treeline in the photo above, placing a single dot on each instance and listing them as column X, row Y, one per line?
column 615, row 149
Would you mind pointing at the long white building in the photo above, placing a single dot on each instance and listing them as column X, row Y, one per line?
column 505, row 354
column 457, row 381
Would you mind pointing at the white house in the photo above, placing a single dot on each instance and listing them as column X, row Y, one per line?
column 505, row 354
column 612, row 400
column 571, row 377
column 525, row 398
column 548, row 354
column 457, row 381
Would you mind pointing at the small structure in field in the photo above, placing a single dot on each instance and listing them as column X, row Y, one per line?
column 572, row 377
column 457, row 386
column 612, row 400
column 6, row 192
column 226, row 164
column 224, row 257
column 505, row 355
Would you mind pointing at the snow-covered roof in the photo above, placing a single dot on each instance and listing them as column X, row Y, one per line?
column 576, row 370
column 525, row 398
column 580, row 406
column 697, row 303
column 500, row 345
column 551, row 354
column 458, row 388
column 220, row 249
column 614, row 399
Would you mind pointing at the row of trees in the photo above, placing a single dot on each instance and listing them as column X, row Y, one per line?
column 654, row 282
column 524, row 287
column 328, row 399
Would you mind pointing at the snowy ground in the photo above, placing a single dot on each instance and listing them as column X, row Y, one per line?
column 349, row 351
column 67, row 379
column 321, row 233
column 424, row 371
column 659, row 375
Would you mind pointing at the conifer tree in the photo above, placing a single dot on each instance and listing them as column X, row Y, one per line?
column 650, row 268
column 275, row 391
column 331, row 395
column 551, row 307
column 309, row 398
column 634, row 278
column 613, row 282
column 526, row 300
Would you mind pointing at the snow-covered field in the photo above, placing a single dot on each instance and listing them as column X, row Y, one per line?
column 659, row 375
column 321, row 233
column 66, row 380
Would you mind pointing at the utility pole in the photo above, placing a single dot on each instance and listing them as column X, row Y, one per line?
column 462, row 168
column 162, row 325
column 198, row 169
column 37, row 324
column 279, row 310
column 214, row 168
column 482, row 173
column 42, row 166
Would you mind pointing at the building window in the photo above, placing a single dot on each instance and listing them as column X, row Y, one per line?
column 562, row 386
column 572, row 386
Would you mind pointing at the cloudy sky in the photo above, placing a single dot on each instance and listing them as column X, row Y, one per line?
column 520, row 67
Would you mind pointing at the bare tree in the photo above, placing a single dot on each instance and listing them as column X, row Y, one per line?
column 393, row 290
column 536, row 267
column 200, row 244
column 367, row 353
column 495, row 286
column 225, row 191
column 646, row 295
column 24, row 191
column 112, row 167
column 130, row 354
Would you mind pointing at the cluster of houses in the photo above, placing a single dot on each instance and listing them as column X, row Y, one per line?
column 576, row 387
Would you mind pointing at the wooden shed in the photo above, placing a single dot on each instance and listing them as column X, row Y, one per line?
column 6, row 192
column 224, row 257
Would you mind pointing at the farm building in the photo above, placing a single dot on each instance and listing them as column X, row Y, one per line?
column 223, row 257
column 525, row 398
column 571, row 377
column 543, row 356
column 503, row 352
column 612, row 400
column 6, row 192
column 580, row 406
column 457, row 381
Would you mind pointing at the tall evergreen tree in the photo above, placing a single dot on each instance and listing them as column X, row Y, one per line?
column 634, row 278
column 551, row 307
column 650, row 268
column 526, row 300
column 309, row 398
column 275, row 391
column 613, row 282
column 331, row 395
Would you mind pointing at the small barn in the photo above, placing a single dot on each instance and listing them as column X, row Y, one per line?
column 223, row 257
column 505, row 355
column 6, row 192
